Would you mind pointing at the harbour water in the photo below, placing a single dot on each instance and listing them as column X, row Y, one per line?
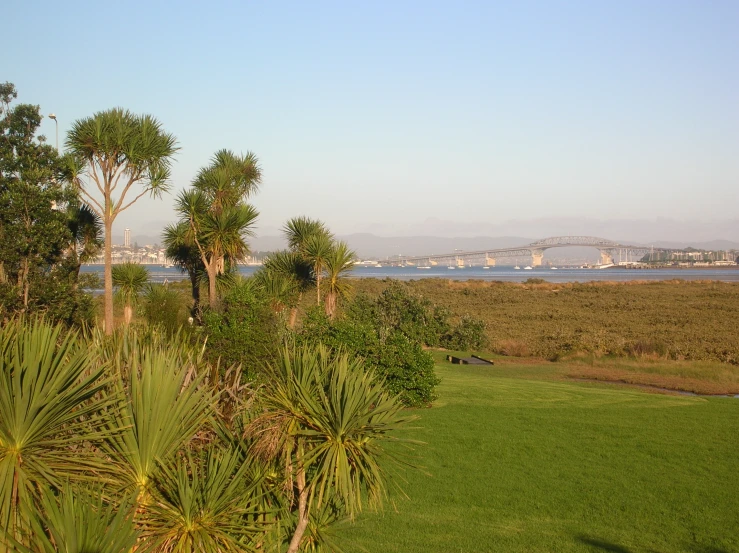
column 505, row 274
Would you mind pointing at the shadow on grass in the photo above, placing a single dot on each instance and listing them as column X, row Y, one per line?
column 603, row 545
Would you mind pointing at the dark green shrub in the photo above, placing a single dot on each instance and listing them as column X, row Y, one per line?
column 467, row 335
column 416, row 317
column 400, row 360
column 244, row 331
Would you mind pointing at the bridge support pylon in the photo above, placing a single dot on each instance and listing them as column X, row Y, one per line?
column 489, row 261
column 605, row 257
column 537, row 256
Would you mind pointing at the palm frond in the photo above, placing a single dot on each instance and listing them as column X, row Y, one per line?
column 205, row 502
column 47, row 413
column 80, row 521
column 163, row 409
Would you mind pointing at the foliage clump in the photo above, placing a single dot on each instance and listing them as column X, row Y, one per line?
column 244, row 330
column 45, row 232
column 136, row 441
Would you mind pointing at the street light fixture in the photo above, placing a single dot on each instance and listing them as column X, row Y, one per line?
column 53, row 116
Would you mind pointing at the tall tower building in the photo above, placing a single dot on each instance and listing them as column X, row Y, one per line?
column 127, row 238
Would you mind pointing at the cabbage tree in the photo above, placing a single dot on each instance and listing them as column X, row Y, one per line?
column 130, row 279
column 117, row 158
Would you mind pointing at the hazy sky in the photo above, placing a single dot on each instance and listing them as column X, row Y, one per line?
column 377, row 114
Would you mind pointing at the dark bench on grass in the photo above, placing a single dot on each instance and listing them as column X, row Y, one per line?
column 474, row 360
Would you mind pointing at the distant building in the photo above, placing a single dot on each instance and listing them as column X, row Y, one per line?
column 127, row 238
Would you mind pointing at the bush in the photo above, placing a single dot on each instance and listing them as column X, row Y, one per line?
column 398, row 358
column 165, row 307
column 468, row 334
column 244, row 331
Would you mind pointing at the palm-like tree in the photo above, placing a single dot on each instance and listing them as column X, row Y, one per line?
column 182, row 251
column 298, row 229
column 219, row 219
column 312, row 240
column 111, row 152
column 326, row 417
column 286, row 276
column 281, row 290
column 87, row 231
column 317, row 249
column 339, row 262
column 229, row 178
column 130, row 278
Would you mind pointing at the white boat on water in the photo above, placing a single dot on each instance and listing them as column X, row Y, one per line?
column 553, row 268
column 451, row 267
column 486, row 267
column 423, row 267
column 517, row 268
column 527, row 268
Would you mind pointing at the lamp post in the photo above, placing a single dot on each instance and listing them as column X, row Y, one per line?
column 53, row 116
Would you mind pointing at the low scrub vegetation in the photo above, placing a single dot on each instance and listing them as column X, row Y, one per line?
column 676, row 320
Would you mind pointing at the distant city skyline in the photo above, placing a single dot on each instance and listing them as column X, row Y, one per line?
column 382, row 116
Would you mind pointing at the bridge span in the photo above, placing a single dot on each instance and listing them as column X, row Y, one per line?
column 609, row 250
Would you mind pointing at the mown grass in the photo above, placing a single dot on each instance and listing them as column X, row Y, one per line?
column 517, row 461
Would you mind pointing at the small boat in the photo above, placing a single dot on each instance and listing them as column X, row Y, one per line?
column 423, row 267
column 553, row 268
column 517, row 268
column 486, row 267
column 527, row 268
column 451, row 267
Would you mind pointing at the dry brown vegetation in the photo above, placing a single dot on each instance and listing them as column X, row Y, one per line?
column 677, row 320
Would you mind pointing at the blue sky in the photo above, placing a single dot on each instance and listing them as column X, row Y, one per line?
column 380, row 115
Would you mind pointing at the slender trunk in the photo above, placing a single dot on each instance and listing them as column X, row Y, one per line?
column 195, row 286
column 24, row 282
column 293, row 318
column 128, row 314
column 212, row 295
column 108, row 275
column 302, row 506
column 318, row 287
column 76, row 272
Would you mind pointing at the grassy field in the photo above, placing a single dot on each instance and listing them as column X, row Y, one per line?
column 517, row 460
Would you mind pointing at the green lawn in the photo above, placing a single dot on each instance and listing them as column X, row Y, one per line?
column 526, row 465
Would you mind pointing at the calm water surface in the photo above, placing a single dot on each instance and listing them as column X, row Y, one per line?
column 507, row 274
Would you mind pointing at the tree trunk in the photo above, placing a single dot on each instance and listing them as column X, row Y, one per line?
column 212, row 295
column 108, row 278
column 318, row 288
column 330, row 305
column 128, row 314
column 293, row 318
column 302, row 507
column 195, row 294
